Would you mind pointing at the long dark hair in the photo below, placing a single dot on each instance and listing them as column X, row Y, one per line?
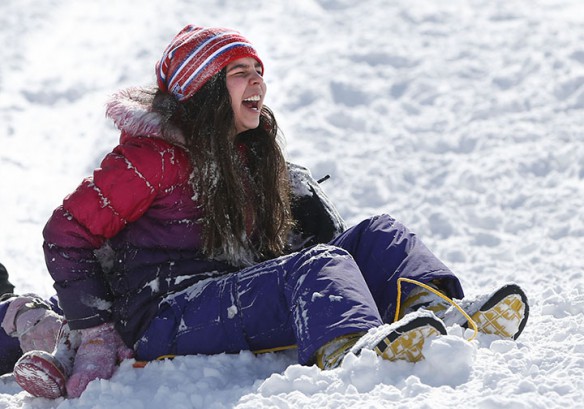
column 241, row 184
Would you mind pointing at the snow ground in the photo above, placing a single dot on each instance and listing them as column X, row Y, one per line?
column 463, row 119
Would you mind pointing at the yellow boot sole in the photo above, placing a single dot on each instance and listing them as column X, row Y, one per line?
column 504, row 314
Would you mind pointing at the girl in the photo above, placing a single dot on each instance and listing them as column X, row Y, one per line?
column 196, row 237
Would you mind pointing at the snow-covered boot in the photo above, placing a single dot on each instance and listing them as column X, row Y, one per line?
column 332, row 353
column 44, row 374
column 503, row 312
column 402, row 340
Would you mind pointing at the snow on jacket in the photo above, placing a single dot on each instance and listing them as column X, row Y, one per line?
column 129, row 235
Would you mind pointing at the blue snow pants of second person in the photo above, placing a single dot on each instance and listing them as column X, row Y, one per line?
column 306, row 298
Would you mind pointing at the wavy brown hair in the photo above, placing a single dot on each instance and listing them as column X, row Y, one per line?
column 240, row 183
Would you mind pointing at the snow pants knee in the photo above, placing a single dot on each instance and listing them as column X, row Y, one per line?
column 306, row 298
column 385, row 250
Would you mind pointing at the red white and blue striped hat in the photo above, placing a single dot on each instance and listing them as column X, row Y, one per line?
column 196, row 54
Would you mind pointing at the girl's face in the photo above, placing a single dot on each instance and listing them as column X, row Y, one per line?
column 247, row 91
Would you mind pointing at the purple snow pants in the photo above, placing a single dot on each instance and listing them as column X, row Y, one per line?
column 306, row 298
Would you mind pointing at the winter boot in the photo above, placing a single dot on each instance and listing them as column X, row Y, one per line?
column 503, row 313
column 423, row 298
column 45, row 375
column 402, row 340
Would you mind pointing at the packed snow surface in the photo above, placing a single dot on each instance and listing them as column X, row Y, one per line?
column 463, row 119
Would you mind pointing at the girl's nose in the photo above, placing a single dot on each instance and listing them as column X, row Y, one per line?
column 256, row 78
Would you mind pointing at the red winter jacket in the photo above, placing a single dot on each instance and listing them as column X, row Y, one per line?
column 140, row 201
column 129, row 235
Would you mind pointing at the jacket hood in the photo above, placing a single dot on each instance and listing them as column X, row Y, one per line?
column 131, row 111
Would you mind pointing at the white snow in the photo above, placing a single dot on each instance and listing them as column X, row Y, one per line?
column 464, row 119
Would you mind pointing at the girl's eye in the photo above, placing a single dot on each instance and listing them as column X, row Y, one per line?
column 244, row 72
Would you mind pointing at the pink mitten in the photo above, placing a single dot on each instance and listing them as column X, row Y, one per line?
column 100, row 350
column 43, row 330
column 31, row 320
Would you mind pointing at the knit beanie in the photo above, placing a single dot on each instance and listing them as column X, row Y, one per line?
column 195, row 55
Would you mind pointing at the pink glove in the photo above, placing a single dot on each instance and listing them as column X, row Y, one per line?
column 100, row 350
column 35, row 325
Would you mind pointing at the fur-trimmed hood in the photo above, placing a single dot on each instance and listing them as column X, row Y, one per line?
column 131, row 111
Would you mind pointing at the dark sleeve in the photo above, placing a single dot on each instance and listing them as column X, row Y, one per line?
column 317, row 220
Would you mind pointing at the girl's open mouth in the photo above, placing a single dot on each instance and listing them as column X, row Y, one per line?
column 252, row 102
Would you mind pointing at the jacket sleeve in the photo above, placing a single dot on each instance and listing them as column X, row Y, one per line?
column 317, row 220
column 119, row 192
